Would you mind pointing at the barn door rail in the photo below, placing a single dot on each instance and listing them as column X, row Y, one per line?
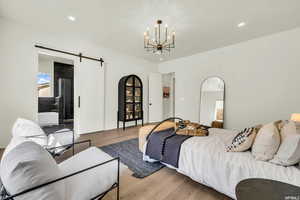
column 72, row 54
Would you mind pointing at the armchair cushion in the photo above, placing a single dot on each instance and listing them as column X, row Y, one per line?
column 29, row 165
column 61, row 138
column 26, row 128
column 90, row 183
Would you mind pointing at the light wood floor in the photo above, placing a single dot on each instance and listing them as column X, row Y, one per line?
column 166, row 184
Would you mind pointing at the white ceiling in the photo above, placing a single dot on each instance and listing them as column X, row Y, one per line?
column 200, row 25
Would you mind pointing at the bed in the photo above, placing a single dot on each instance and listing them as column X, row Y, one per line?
column 205, row 160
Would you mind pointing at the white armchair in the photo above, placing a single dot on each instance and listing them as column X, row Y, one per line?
column 29, row 172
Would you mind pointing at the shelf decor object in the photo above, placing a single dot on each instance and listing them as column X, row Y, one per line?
column 156, row 43
column 130, row 100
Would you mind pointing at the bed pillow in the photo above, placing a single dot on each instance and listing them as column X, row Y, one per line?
column 243, row 140
column 288, row 128
column 266, row 142
column 26, row 128
column 28, row 165
column 289, row 151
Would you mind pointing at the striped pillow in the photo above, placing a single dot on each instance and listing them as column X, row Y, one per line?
column 243, row 140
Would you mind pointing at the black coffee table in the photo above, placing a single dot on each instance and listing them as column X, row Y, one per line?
column 256, row 189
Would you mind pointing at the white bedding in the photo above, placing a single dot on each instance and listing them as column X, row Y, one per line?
column 205, row 160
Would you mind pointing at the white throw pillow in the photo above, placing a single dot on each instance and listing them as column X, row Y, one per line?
column 26, row 128
column 289, row 151
column 267, row 142
column 28, row 165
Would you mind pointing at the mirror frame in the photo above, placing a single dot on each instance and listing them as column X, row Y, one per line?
column 224, row 95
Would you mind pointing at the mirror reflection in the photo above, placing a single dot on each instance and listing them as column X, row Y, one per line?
column 212, row 102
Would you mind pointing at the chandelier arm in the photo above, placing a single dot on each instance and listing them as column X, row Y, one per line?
column 152, row 45
column 166, row 45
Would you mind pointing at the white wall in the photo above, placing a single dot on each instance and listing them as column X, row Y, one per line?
column 261, row 79
column 19, row 67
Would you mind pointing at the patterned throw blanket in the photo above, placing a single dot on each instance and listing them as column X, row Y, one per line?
column 165, row 146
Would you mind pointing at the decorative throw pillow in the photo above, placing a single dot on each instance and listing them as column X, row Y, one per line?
column 29, row 165
column 267, row 142
column 243, row 140
column 289, row 151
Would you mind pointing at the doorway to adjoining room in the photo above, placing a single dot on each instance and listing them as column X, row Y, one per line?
column 55, row 85
column 168, row 84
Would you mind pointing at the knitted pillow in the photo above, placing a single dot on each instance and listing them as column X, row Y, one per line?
column 243, row 140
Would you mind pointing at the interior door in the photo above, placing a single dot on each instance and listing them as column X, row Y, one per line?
column 155, row 98
column 91, row 96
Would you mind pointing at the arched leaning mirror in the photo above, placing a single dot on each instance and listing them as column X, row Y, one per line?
column 212, row 102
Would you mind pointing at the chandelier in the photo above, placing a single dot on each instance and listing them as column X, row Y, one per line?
column 157, row 44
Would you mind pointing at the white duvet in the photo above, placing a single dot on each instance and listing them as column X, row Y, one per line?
column 205, row 160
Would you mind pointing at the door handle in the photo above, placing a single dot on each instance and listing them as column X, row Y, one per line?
column 150, row 104
column 78, row 101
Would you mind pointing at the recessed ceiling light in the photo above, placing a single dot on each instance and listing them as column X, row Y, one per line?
column 72, row 18
column 241, row 24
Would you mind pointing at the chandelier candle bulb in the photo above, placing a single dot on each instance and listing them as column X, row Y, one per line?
column 155, row 28
column 173, row 37
column 166, row 33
